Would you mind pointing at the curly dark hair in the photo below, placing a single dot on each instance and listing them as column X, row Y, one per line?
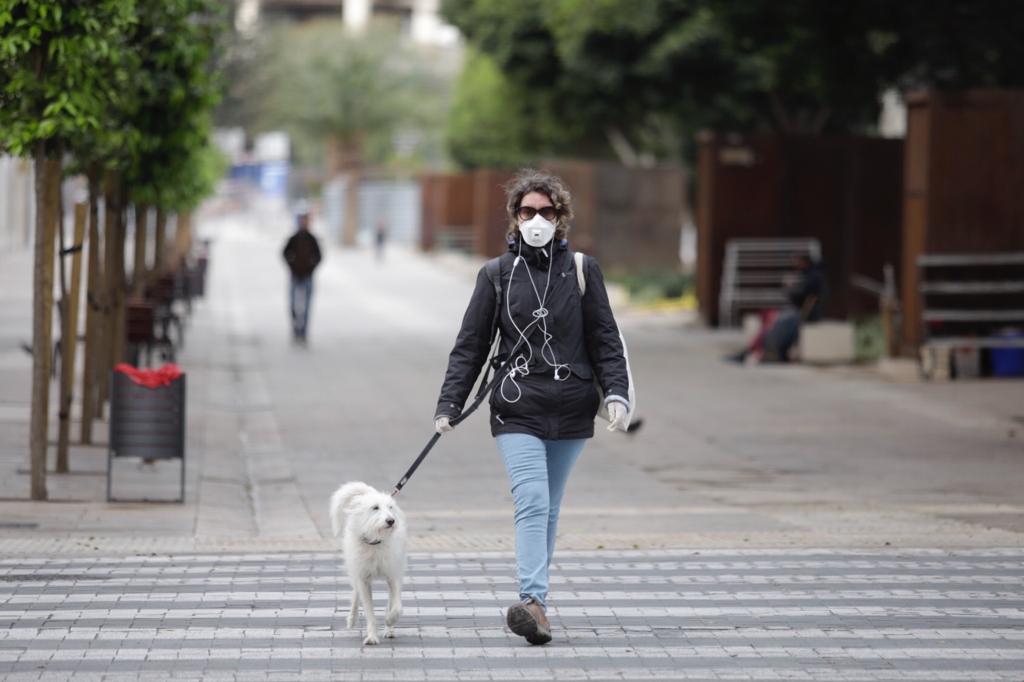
column 530, row 180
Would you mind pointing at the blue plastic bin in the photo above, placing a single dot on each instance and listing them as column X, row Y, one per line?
column 1008, row 362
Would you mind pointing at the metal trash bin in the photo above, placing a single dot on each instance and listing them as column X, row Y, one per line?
column 147, row 423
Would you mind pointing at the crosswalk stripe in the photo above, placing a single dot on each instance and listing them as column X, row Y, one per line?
column 696, row 670
column 608, row 556
column 287, row 636
column 568, row 570
column 631, row 652
column 1006, row 562
column 820, row 614
column 13, row 581
column 592, row 611
column 323, row 598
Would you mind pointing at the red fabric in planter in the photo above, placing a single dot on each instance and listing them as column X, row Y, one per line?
column 150, row 378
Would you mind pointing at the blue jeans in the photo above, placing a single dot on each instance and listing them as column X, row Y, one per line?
column 301, row 297
column 538, row 470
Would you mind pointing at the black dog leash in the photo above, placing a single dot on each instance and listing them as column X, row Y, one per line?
column 481, row 394
column 485, row 387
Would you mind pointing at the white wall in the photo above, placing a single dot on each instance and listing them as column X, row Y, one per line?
column 395, row 203
column 17, row 203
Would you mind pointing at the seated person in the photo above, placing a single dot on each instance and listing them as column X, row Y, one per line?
column 780, row 329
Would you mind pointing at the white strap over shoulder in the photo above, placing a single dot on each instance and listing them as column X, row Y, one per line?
column 581, row 280
column 581, row 277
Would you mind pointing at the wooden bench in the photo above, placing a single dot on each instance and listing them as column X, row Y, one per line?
column 965, row 298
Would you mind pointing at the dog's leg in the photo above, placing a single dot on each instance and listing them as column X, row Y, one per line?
column 394, row 606
column 353, row 614
column 366, row 597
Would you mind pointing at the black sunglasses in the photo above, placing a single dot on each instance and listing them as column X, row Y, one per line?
column 527, row 212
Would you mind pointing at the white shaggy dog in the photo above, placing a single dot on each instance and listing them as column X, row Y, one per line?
column 374, row 547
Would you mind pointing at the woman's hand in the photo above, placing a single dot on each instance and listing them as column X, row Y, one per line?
column 443, row 424
column 617, row 414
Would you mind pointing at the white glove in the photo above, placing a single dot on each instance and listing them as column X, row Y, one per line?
column 443, row 424
column 617, row 414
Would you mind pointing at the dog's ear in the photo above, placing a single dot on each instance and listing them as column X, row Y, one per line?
column 342, row 502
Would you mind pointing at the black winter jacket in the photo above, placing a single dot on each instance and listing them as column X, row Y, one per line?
column 302, row 253
column 583, row 335
column 810, row 282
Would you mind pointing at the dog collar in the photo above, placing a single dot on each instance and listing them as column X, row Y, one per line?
column 375, row 542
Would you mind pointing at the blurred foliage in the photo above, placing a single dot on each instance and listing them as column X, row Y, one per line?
column 645, row 286
column 117, row 85
column 869, row 339
column 490, row 123
column 174, row 165
column 367, row 92
column 640, row 78
column 61, row 66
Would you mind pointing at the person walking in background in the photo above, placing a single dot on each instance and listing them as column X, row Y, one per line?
column 561, row 349
column 302, row 254
column 380, row 239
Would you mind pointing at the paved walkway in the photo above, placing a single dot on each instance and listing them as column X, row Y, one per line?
column 668, row 615
column 881, row 523
column 728, row 456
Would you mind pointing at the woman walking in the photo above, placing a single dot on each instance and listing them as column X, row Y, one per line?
column 560, row 350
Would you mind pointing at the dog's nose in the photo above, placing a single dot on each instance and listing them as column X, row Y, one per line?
column 390, row 522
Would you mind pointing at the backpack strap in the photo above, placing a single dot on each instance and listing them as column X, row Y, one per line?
column 581, row 276
column 493, row 270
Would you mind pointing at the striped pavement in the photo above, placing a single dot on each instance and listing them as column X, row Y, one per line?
column 637, row 615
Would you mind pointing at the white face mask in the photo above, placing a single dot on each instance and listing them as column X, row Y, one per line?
column 537, row 231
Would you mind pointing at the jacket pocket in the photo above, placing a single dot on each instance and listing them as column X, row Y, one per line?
column 582, row 370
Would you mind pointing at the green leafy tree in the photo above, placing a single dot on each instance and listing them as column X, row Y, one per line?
column 346, row 99
column 58, row 61
column 606, row 73
column 117, row 86
column 176, row 92
column 817, row 66
column 348, row 94
column 641, row 77
column 490, row 122
column 958, row 44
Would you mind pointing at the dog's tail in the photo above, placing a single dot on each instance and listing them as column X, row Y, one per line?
column 342, row 500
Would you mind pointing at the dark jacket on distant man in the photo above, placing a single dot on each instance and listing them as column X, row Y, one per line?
column 302, row 253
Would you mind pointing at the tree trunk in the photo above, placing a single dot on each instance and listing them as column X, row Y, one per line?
column 47, row 180
column 139, row 267
column 93, row 317
column 182, row 238
column 70, row 340
column 111, row 210
column 120, row 277
column 345, row 157
column 158, row 242
column 350, row 224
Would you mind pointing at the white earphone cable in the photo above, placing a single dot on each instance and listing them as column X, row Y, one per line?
column 521, row 363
